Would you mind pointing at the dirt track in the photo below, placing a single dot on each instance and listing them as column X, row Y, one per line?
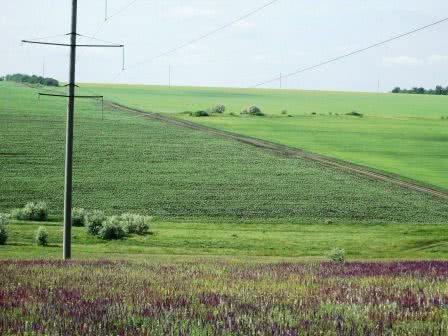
column 285, row 151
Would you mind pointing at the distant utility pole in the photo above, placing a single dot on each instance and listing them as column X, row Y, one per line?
column 169, row 76
column 281, row 80
column 68, row 183
column 43, row 69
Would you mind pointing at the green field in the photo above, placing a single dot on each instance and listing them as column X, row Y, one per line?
column 133, row 164
column 209, row 196
column 185, row 241
column 400, row 134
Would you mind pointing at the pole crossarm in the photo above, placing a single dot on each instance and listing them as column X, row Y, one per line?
column 68, row 96
column 78, row 45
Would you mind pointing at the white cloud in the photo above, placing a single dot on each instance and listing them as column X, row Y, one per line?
column 402, row 60
column 414, row 61
column 437, row 58
column 192, row 12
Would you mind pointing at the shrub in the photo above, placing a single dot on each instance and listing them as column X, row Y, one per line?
column 4, row 219
column 32, row 211
column 355, row 114
column 3, row 234
column 313, row 113
column 79, row 216
column 42, row 236
column 50, row 82
column 284, row 112
column 253, row 110
column 232, row 114
column 112, row 229
column 218, row 109
column 134, row 223
column 200, row 114
column 93, row 221
column 337, row 255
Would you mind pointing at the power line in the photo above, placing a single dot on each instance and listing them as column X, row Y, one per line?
column 103, row 24
column 124, row 8
column 49, row 37
column 96, row 39
column 358, row 51
column 199, row 38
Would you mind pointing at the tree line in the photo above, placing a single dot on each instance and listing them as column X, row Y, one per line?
column 33, row 79
column 439, row 90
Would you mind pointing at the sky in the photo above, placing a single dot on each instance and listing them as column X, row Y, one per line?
column 285, row 36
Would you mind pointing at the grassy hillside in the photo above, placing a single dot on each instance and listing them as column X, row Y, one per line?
column 401, row 134
column 127, row 163
column 179, row 99
column 245, row 242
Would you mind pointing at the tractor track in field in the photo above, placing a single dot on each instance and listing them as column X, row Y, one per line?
column 285, row 151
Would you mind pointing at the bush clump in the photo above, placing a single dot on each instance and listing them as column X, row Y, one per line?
column 336, row 255
column 284, row 112
column 3, row 234
column 253, row 110
column 93, row 221
column 115, row 227
column 41, row 236
column 355, row 114
column 135, row 223
column 200, row 114
column 32, row 211
column 217, row 109
column 112, row 229
column 4, row 220
column 79, row 216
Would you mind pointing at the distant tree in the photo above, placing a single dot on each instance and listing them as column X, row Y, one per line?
column 438, row 90
column 421, row 90
column 21, row 78
column 396, row 90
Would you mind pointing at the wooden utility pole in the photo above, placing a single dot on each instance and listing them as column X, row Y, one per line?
column 68, row 181
column 68, row 186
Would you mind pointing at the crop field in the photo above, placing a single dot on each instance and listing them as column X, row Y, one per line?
column 221, row 298
column 400, row 134
column 132, row 164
